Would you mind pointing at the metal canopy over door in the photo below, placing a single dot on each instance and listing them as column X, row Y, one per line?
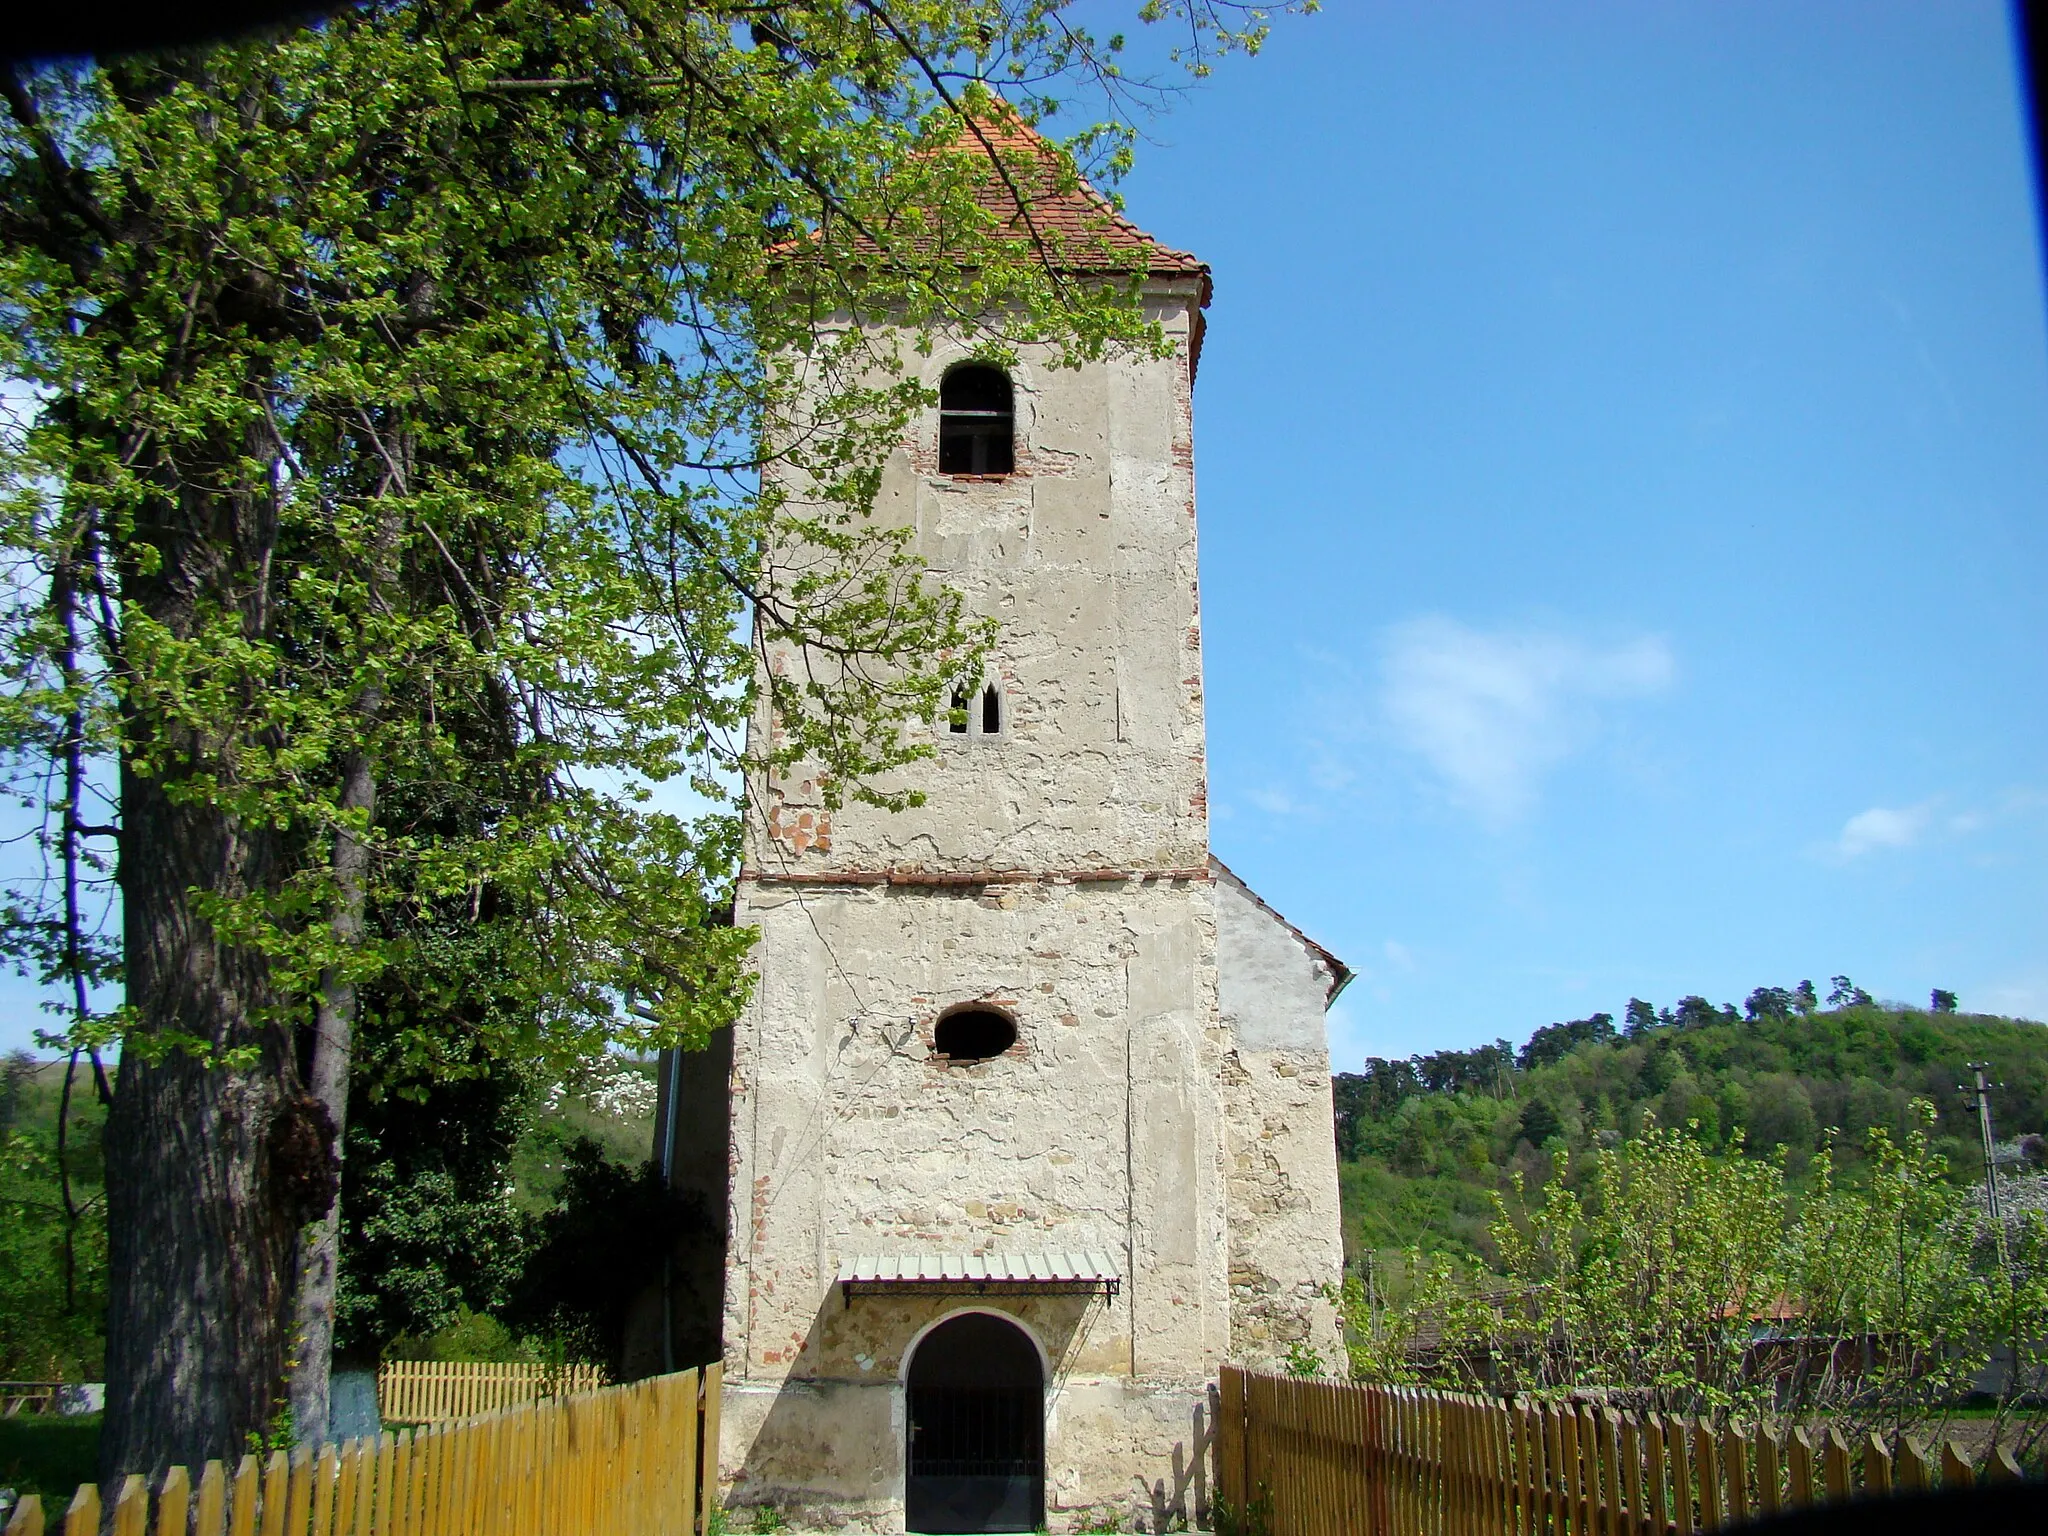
column 977, row 1429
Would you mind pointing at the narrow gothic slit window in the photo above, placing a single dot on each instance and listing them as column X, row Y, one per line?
column 956, row 720
column 991, row 711
column 976, row 421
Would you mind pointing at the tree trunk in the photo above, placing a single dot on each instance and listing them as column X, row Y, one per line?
column 335, row 1014
column 199, row 1242
column 215, row 1155
column 333, row 1044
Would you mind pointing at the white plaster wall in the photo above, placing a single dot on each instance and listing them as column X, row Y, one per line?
column 1113, row 1446
column 1101, row 1129
column 1117, row 1122
column 1086, row 558
column 1273, row 989
column 1286, row 1238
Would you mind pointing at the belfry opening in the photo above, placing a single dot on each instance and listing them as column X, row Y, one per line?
column 976, row 1429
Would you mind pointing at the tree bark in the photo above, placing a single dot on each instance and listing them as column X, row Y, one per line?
column 335, row 1011
column 199, row 1243
column 333, row 1046
column 215, row 1156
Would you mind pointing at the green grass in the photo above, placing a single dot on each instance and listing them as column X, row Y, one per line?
column 50, row 1455
column 1387, row 1212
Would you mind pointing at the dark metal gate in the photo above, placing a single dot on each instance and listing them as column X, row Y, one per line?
column 977, row 1430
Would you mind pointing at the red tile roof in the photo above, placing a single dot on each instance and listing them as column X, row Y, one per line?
column 1077, row 226
column 1072, row 227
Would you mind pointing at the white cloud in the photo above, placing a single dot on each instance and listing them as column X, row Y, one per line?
column 1881, row 827
column 1276, row 802
column 1933, row 821
column 1491, row 713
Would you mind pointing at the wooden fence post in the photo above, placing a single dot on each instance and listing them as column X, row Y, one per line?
column 1607, row 1432
column 1707, row 1469
column 1877, row 1467
column 277, row 1478
column 27, row 1519
column 1956, row 1471
column 131, row 1507
column 1425, row 1486
column 1531, row 1487
column 83, row 1517
column 1685, row 1505
column 387, row 1486
column 1550, row 1467
column 1799, row 1469
column 1357, row 1479
column 1336, row 1457
column 1501, row 1426
column 298, row 1504
column 1765, row 1484
column 1450, row 1455
column 1500, row 1442
column 434, row 1503
column 1735, row 1469
column 1915, row 1475
column 209, row 1517
column 1229, row 1442
column 242, row 1507
column 405, row 1484
column 1435, row 1407
column 1637, row 1521
column 1473, row 1460
column 173, row 1502
column 710, row 1488
column 1564, row 1468
column 1346, row 1451
column 1835, row 1466
column 1385, row 1466
column 347, row 1474
column 1655, row 1488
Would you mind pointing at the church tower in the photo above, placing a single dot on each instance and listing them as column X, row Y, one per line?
column 1029, row 1120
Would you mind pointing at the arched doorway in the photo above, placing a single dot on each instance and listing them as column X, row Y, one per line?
column 977, row 1429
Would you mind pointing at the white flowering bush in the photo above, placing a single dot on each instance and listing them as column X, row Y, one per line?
column 612, row 1086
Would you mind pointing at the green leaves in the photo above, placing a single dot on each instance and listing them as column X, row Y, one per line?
column 428, row 388
column 1699, row 1284
column 423, row 394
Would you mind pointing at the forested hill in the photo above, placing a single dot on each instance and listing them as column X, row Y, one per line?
column 1425, row 1142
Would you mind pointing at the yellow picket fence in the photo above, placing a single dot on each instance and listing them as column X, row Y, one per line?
column 432, row 1391
column 1327, row 1458
column 641, row 1458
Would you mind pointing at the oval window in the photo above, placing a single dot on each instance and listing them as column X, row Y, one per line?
column 973, row 1034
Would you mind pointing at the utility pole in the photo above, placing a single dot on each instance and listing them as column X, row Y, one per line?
column 1980, row 1096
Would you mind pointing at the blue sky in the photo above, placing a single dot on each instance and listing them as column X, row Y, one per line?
column 1622, row 442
